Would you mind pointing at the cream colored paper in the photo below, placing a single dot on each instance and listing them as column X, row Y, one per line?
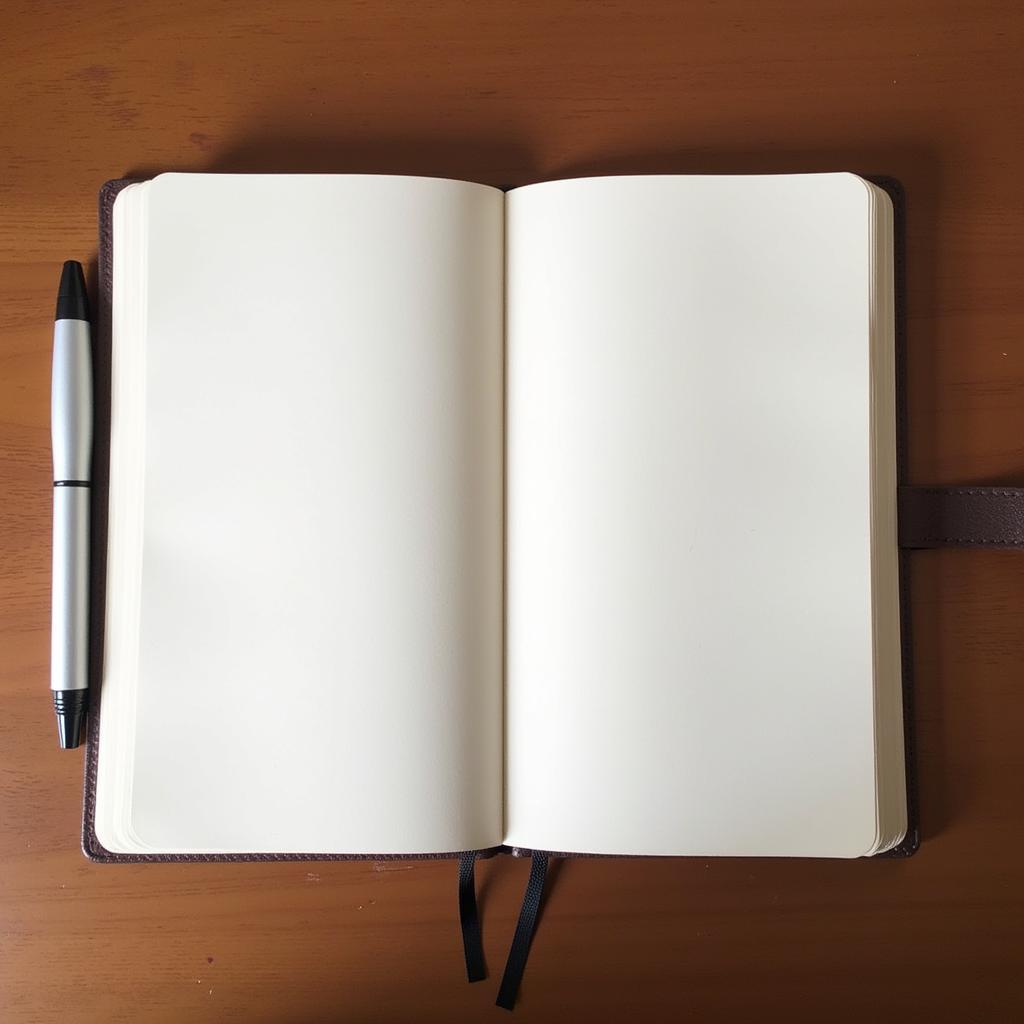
column 690, row 598
column 305, row 570
column 304, row 645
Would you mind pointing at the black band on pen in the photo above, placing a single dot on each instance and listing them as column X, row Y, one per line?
column 72, row 483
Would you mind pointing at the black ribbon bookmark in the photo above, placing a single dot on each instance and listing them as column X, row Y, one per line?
column 516, row 963
column 469, row 918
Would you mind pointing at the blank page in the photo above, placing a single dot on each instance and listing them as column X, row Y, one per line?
column 691, row 646
column 305, row 567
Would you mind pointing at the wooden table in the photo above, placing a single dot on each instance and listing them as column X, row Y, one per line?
column 932, row 93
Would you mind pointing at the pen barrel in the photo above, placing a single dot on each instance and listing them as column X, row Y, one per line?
column 71, row 401
column 69, row 635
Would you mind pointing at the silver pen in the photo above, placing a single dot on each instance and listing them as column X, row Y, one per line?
column 71, row 427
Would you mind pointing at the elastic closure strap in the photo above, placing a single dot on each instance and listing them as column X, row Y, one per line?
column 520, row 950
column 469, row 919
column 971, row 517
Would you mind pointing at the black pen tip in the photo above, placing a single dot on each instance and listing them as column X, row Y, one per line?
column 70, row 706
column 72, row 298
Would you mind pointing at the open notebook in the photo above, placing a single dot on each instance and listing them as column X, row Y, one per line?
column 442, row 518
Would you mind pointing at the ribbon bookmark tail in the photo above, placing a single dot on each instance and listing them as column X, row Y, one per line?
column 520, row 950
column 469, row 919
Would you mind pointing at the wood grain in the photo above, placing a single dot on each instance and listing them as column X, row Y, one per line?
column 929, row 92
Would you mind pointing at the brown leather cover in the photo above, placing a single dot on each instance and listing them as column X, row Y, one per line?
column 929, row 517
column 970, row 517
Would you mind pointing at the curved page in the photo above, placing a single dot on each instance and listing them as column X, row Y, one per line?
column 702, row 633
column 305, row 568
